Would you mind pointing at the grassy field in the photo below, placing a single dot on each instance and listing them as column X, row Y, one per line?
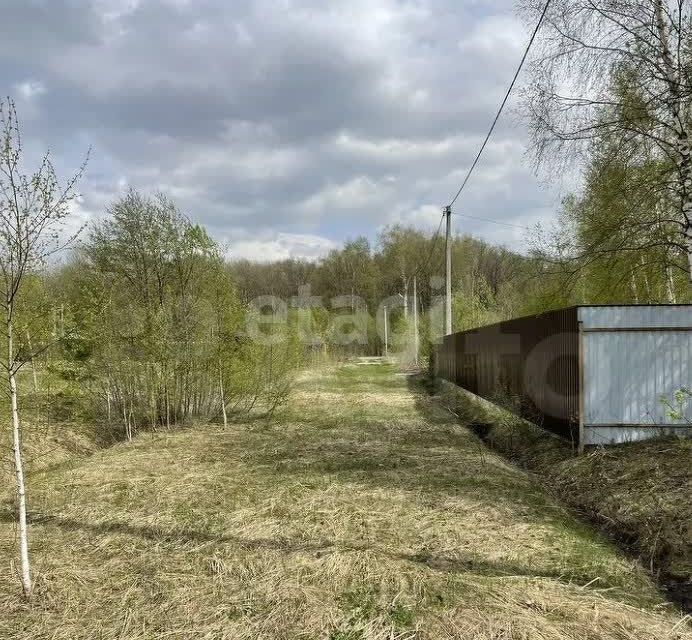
column 638, row 493
column 361, row 511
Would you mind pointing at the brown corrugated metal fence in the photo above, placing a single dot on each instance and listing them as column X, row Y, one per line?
column 532, row 363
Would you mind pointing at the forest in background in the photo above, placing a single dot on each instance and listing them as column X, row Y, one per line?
column 146, row 322
column 151, row 315
column 150, row 311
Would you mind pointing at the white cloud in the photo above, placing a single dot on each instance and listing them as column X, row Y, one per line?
column 351, row 197
column 398, row 151
column 280, row 247
column 276, row 120
column 29, row 89
column 27, row 96
column 426, row 217
column 240, row 164
column 495, row 36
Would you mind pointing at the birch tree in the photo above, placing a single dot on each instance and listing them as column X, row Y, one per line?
column 618, row 72
column 610, row 243
column 33, row 213
column 401, row 252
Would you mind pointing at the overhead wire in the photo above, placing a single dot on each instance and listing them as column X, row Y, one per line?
column 504, row 103
column 432, row 248
column 492, row 221
column 422, row 266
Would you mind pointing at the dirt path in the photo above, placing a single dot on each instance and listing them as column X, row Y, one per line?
column 362, row 511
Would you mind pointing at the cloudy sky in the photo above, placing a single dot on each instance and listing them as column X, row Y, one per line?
column 284, row 126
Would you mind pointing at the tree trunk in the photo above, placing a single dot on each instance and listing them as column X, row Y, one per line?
column 18, row 465
column 682, row 143
column 168, row 407
column 405, row 281
column 223, row 399
column 647, row 286
column 126, row 421
column 670, row 286
column 633, row 286
column 130, row 420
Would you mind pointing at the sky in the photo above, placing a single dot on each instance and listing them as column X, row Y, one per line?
column 284, row 126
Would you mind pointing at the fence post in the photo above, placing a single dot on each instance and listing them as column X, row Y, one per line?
column 580, row 446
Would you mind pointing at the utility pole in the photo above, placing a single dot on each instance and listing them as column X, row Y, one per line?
column 405, row 297
column 386, row 348
column 415, row 320
column 448, row 272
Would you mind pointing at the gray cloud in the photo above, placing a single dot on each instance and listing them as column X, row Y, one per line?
column 275, row 120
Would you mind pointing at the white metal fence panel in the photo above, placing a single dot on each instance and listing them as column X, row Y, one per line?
column 625, row 375
column 620, row 435
column 622, row 317
column 633, row 357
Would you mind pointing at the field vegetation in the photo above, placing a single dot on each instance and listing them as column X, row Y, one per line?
column 637, row 493
column 361, row 509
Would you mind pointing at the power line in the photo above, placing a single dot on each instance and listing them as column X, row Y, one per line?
column 483, row 146
column 504, row 224
column 504, row 102
column 422, row 266
column 432, row 249
column 440, row 263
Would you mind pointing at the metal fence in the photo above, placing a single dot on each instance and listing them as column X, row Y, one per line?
column 531, row 362
column 593, row 375
column 632, row 357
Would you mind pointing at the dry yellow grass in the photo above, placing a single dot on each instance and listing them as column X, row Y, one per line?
column 639, row 493
column 360, row 512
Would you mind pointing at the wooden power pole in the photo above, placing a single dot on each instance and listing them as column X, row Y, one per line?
column 448, row 272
